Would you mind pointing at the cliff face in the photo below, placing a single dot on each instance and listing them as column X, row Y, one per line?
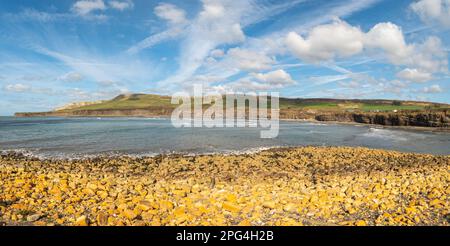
column 101, row 113
column 404, row 118
column 424, row 119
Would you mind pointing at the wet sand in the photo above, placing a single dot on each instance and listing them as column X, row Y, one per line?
column 291, row 186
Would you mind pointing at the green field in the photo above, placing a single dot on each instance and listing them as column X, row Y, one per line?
column 145, row 101
column 135, row 101
column 375, row 107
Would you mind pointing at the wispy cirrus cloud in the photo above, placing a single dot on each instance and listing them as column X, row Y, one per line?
column 85, row 7
column 121, row 5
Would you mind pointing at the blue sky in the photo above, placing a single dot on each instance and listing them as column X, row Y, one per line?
column 56, row 52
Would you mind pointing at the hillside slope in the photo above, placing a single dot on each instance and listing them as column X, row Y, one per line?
column 383, row 112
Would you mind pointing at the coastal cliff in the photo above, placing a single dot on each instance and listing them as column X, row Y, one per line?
column 155, row 112
column 423, row 119
column 379, row 112
column 420, row 119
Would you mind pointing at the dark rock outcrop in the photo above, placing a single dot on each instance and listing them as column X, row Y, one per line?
column 413, row 118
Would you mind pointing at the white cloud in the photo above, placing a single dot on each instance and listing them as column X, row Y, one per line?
column 389, row 38
column 220, row 20
column 210, row 29
column 212, row 26
column 326, row 79
column 257, row 82
column 71, row 77
column 17, row 88
column 39, row 16
column 246, row 85
column 217, row 53
column 278, row 77
column 351, row 84
column 433, row 11
column 414, row 75
column 421, row 59
column 432, row 89
column 85, row 7
column 249, row 60
column 430, row 56
column 170, row 13
column 212, row 9
column 326, row 42
column 175, row 16
column 156, row 39
column 121, row 5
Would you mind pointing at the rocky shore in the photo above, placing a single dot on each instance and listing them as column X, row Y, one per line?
column 437, row 119
column 295, row 186
column 421, row 119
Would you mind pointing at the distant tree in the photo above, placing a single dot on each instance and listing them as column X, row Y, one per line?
column 396, row 103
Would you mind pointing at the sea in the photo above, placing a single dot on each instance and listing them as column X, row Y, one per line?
column 53, row 137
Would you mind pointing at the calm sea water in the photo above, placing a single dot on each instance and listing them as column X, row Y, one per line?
column 78, row 137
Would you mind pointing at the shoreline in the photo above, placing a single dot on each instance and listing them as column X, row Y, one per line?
column 405, row 128
column 27, row 154
column 412, row 128
column 282, row 186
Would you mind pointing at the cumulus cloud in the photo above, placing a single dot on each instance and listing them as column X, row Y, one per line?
column 389, row 37
column 414, row 75
column 433, row 11
column 432, row 89
column 339, row 39
column 326, row 42
column 219, row 22
column 71, row 77
column 121, row 5
column 249, row 60
column 84, row 7
column 212, row 9
column 170, row 13
column 430, row 56
column 17, row 88
column 278, row 78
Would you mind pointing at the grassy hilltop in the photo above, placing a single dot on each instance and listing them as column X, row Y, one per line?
column 147, row 101
column 380, row 112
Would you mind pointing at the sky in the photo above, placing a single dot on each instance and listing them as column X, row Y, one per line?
column 56, row 52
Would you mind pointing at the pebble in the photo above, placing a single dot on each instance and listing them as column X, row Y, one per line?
column 34, row 217
column 291, row 186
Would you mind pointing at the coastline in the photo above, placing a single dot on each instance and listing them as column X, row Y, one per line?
column 406, row 128
column 167, row 117
column 281, row 186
